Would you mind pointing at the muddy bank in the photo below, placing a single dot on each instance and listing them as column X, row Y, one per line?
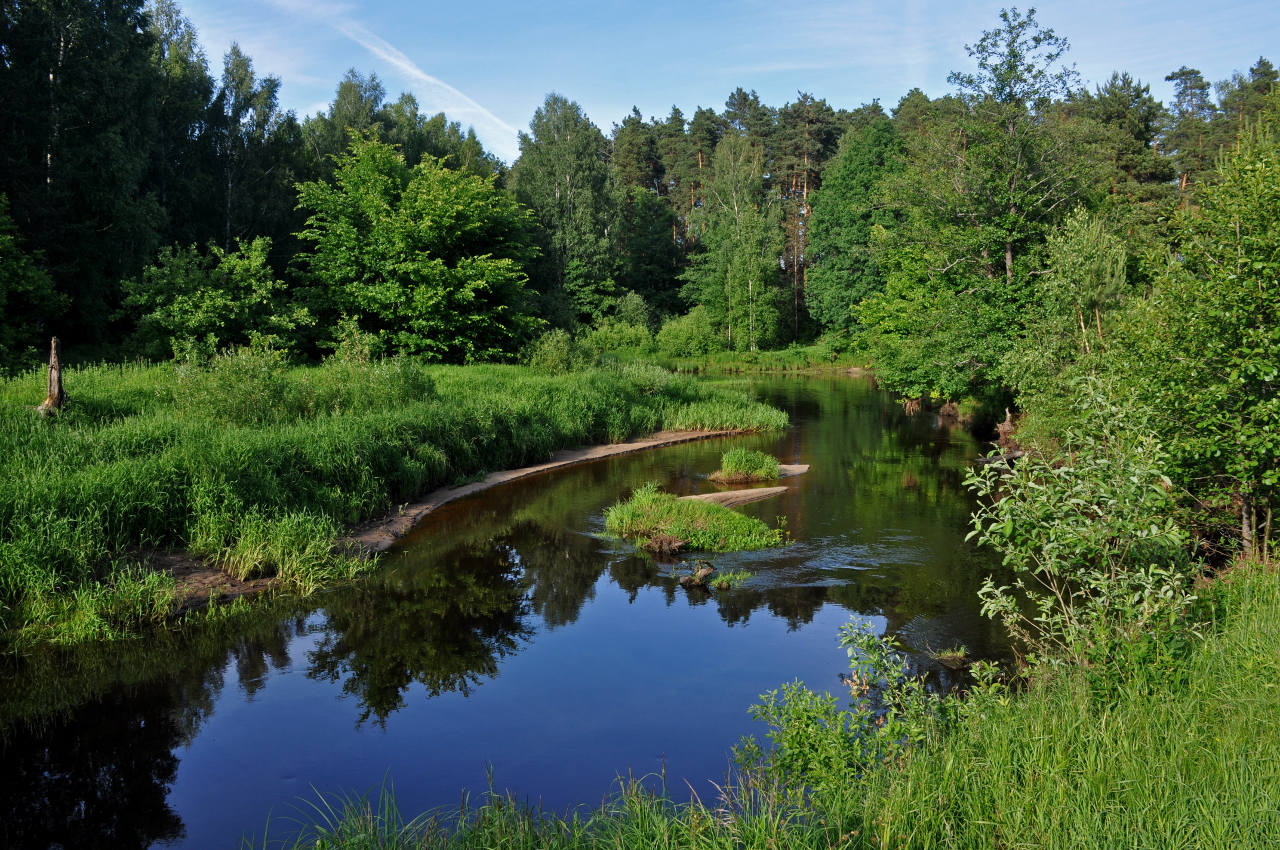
column 197, row 581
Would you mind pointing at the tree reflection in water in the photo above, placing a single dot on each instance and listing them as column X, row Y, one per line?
column 444, row 628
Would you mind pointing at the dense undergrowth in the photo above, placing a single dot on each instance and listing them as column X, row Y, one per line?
column 257, row 467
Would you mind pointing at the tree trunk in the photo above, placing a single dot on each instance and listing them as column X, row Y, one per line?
column 56, row 397
column 1246, row 526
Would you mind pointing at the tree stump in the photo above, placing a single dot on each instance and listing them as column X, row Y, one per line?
column 1004, row 432
column 57, row 396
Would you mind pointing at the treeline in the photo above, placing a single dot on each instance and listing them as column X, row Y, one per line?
column 151, row 203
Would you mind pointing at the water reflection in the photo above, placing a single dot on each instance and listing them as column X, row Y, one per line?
column 93, row 742
column 445, row 629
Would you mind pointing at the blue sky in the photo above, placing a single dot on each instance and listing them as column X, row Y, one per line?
column 490, row 64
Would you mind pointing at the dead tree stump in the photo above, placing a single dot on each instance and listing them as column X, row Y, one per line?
column 57, row 396
column 1004, row 432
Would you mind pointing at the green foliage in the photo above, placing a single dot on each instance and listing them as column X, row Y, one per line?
column 429, row 259
column 822, row 749
column 701, row 526
column 985, row 179
column 743, row 465
column 736, row 276
column 632, row 309
column 1086, row 280
column 554, row 353
column 28, row 301
column 190, row 301
column 844, row 212
column 690, row 335
column 563, row 177
column 1097, row 560
column 1204, row 350
column 616, row 335
column 729, row 579
column 254, row 386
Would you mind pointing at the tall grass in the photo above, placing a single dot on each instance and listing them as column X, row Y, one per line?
column 650, row 514
column 257, row 466
column 741, row 466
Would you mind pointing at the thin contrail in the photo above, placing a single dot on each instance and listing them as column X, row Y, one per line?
column 339, row 18
column 388, row 52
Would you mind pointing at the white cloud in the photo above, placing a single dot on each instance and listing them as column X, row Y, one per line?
column 437, row 95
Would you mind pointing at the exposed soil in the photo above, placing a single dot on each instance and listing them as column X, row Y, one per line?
column 198, row 580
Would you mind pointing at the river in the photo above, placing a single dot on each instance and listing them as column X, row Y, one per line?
column 510, row 644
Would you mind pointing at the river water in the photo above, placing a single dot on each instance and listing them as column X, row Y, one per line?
column 510, row 644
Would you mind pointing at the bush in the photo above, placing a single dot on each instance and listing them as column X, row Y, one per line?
column 555, row 353
column 690, row 335
column 616, row 335
column 191, row 302
column 1095, row 555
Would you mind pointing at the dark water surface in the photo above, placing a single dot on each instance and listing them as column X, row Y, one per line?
column 509, row 636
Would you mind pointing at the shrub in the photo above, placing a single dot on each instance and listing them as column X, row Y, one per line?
column 690, row 335
column 1087, row 534
column 193, row 302
column 554, row 353
column 616, row 335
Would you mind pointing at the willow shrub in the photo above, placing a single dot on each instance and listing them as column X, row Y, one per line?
column 1096, row 557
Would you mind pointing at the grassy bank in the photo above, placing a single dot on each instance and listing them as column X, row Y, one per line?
column 1176, row 751
column 258, row 467
column 792, row 359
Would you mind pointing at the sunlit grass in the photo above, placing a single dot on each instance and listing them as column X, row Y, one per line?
column 257, row 466
column 702, row 526
column 744, row 466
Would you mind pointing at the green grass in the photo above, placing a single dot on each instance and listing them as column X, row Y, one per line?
column 728, row 579
column 744, row 466
column 817, row 356
column 702, row 526
column 1179, row 750
column 258, row 467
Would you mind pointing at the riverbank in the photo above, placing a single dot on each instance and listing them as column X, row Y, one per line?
column 256, row 469
column 1179, row 750
column 197, row 583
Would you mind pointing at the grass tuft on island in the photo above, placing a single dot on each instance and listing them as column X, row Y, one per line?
column 745, row 466
column 651, row 515
column 257, row 466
